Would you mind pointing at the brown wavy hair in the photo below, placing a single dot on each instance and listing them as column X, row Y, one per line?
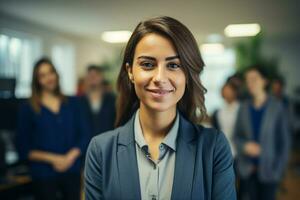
column 36, row 88
column 191, row 105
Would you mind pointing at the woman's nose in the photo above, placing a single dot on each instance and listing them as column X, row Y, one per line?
column 160, row 74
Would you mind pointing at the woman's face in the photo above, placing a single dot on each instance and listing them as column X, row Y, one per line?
column 256, row 83
column 228, row 94
column 47, row 78
column 93, row 80
column 158, row 78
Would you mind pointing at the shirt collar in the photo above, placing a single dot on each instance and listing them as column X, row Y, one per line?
column 169, row 140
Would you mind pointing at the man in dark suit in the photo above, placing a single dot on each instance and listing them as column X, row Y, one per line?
column 262, row 139
column 96, row 103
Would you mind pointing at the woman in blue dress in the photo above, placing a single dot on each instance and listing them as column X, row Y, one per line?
column 52, row 136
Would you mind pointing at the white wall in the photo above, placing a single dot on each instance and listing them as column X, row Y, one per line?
column 288, row 52
column 89, row 51
column 86, row 50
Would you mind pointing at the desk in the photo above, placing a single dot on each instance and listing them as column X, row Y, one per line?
column 15, row 187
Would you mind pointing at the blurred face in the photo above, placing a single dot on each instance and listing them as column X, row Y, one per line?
column 93, row 80
column 158, row 78
column 228, row 94
column 256, row 83
column 277, row 88
column 47, row 78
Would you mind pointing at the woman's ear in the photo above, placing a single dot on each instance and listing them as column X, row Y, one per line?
column 129, row 72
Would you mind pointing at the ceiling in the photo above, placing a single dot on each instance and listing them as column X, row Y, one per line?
column 204, row 17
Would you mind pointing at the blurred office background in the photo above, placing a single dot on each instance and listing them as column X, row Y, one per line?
column 76, row 34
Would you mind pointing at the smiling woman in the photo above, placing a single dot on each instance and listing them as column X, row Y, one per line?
column 152, row 41
column 156, row 73
column 158, row 146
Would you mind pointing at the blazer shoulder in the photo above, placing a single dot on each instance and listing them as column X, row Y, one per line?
column 276, row 103
column 207, row 132
column 244, row 104
column 211, row 138
column 216, row 145
column 106, row 137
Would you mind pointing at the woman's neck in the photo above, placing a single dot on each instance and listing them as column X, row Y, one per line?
column 231, row 102
column 51, row 101
column 95, row 95
column 49, row 97
column 259, row 99
column 48, row 94
column 156, row 124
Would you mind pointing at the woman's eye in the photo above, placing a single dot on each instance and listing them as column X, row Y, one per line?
column 147, row 64
column 173, row 65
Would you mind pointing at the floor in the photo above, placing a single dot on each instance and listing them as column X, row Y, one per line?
column 290, row 188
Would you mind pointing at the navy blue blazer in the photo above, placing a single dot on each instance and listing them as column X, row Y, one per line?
column 203, row 166
column 102, row 121
column 274, row 138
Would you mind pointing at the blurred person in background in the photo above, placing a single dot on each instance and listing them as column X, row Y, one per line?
column 224, row 118
column 262, row 140
column 277, row 88
column 80, row 87
column 108, row 87
column 97, row 103
column 238, row 82
column 158, row 150
column 52, row 136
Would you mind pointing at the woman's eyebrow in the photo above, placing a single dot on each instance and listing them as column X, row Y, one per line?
column 172, row 57
column 152, row 58
column 146, row 57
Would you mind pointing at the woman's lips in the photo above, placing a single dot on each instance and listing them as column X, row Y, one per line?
column 160, row 92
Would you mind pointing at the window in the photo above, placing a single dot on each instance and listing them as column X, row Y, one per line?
column 218, row 67
column 63, row 57
column 18, row 52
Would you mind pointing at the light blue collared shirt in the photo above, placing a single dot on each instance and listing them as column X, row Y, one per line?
column 156, row 177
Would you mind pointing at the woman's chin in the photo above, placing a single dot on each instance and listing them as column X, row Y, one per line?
column 160, row 106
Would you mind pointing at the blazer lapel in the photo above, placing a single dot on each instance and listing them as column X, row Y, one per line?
column 185, row 161
column 127, row 162
column 248, row 126
column 267, row 115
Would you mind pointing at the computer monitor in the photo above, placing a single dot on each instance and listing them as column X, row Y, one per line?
column 7, row 87
column 2, row 159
